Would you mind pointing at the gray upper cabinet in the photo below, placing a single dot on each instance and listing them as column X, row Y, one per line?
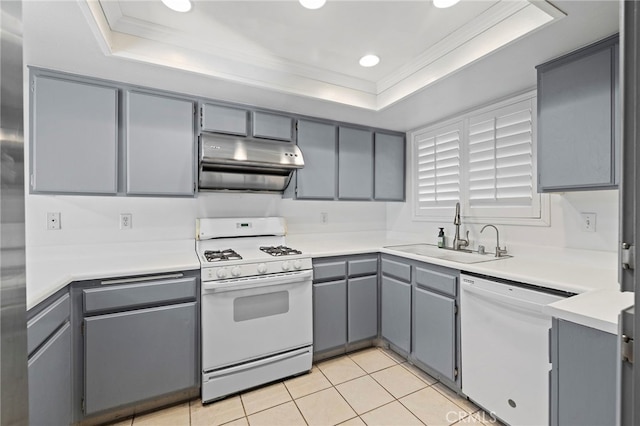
column 160, row 145
column 317, row 141
column 224, row 119
column 578, row 123
column 272, row 126
column 355, row 159
column 389, row 174
column 74, row 137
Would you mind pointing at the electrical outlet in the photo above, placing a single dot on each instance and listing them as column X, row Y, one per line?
column 588, row 222
column 125, row 221
column 53, row 221
column 325, row 217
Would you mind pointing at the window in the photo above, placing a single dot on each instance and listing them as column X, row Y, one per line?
column 486, row 161
column 437, row 153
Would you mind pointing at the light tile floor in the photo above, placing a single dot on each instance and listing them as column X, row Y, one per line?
column 369, row 387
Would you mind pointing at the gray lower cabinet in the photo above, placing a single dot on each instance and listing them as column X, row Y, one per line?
column 74, row 136
column 160, row 145
column 137, row 345
column 329, row 315
column 363, row 308
column 355, row 164
column 345, row 302
column 578, row 119
column 49, row 364
column 396, row 313
column 139, row 355
column 434, row 331
column 583, row 375
column 389, row 175
column 317, row 180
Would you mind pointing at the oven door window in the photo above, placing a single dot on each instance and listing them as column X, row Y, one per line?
column 260, row 305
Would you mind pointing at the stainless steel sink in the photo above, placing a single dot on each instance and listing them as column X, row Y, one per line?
column 429, row 250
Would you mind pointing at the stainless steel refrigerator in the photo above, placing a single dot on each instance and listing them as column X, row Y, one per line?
column 629, row 383
column 13, row 328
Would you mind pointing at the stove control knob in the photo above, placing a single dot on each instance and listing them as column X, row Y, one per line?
column 297, row 264
column 262, row 268
column 286, row 265
column 222, row 273
column 235, row 271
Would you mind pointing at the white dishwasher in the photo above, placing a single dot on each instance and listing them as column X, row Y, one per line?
column 505, row 349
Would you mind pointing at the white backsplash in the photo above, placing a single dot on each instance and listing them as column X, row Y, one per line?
column 565, row 229
column 96, row 219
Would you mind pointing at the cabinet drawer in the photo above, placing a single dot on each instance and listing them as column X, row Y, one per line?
column 363, row 267
column 139, row 294
column 329, row 270
column 443, row 283
column 396, row 269
column 40, row 327
column 221, row 119
column 272, row 126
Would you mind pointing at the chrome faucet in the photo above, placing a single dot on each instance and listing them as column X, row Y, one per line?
column 499, row 251
column 459, row 243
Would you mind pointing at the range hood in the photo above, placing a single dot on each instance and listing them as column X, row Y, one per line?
column 243, row 164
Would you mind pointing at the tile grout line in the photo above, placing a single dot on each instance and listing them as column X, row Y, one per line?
column 294, row 400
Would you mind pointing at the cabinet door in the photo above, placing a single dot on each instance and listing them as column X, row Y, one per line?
column 355, row 161
column 74, row 137
column 160, row 145
column 363, row 308
column 584, row 363
column 396, row 313
column 434, row 331
column 224, row 119
column 389, row 167
column 49, row 371
column 317, row 141
column 272, row 126
column 575, row 123
column 137, row 355
column 329, row 315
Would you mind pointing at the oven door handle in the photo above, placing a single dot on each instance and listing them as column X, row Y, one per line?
column 262, row 282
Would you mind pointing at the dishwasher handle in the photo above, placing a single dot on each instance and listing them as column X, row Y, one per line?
column 502, row 298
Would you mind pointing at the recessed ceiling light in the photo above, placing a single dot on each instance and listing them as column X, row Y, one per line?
column 178, row 5
column 369, row 60
column 442, row 4
column 312, row 4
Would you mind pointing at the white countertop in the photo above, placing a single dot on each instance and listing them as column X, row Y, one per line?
column 597, row 309
column 51, row 268
column 570, row 270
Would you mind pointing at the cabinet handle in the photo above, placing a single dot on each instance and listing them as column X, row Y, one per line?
column 140, row 279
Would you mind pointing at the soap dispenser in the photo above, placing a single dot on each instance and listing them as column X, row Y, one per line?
column 441, row 238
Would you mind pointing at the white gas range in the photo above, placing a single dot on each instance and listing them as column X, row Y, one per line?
column 256, row 305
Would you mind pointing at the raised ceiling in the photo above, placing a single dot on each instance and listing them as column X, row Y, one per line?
column 282, row 46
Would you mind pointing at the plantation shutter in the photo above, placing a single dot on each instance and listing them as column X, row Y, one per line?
column 438, row 167
column 500, row 157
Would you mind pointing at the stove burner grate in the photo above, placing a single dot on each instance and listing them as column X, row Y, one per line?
column 221, row 255
column 280, row 251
